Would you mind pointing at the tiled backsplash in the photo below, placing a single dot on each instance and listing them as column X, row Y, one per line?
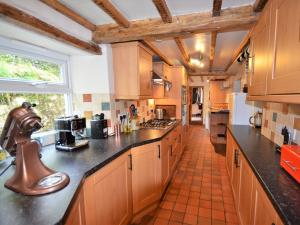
column 276, row 116
column 88, row 105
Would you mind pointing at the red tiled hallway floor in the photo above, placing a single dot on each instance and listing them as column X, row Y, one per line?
column 199, row 192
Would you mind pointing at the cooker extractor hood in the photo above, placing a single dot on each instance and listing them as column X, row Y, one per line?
column 161, row 80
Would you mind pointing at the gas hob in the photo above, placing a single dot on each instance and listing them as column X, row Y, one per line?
column 158, row 124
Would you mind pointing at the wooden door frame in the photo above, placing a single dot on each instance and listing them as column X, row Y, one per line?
column 190, row 105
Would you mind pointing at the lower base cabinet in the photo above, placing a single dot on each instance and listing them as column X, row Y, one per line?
column 146, row 175
column 252, row 203
column 263, row 211
column 108, row 195
column 77, row 214
column 245, row 192
column 130, row 183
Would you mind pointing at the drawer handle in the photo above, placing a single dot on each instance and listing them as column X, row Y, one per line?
column 288, row 163
column 236, row 158
column 158, row 151
column 130, row 161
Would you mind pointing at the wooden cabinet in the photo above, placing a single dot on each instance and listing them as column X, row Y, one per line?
column 252, row 203
column 286, row 76
column 245, row 192
column 77, row 214
column 263, row 211
column 165, row 161
column 146, row 175
column 108, row 195
column 229, row 154
column 259, row 62
column 276, row 58
column 236, row 174
column 132, row 64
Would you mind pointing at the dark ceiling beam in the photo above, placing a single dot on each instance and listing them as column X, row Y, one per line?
column 210, row 74
column 32, row 23
column 56, row 5
column 217, row 6
column 232, row 19
column 157, row 52
column 259, row 5
column 163, row 10
column 113, row 12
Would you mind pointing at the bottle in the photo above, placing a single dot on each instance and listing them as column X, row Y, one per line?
column 2, row 154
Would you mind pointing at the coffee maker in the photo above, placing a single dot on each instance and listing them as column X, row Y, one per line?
column 31, row 176
column 70, row 134
column 99, row 129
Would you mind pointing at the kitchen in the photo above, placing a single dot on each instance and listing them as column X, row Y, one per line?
column 97, row 99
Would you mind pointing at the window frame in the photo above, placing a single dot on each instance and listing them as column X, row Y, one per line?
column 11, row 46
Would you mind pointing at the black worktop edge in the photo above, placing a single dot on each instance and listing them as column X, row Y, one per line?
column 261, row 181
column 104, row 163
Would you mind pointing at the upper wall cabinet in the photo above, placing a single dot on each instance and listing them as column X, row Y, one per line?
column 259, row 63
column 132, row 70
column 286, row 75
column 274, row 70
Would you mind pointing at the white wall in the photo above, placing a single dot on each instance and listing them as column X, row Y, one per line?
column 92, row 74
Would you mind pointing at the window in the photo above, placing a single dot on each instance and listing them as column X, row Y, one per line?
column 33, row 74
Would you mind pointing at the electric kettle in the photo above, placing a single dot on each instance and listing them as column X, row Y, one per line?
column 256, row 120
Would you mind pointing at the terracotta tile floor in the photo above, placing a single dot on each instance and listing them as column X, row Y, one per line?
column 199, row 192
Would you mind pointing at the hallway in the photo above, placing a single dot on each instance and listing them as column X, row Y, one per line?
column 199, row 192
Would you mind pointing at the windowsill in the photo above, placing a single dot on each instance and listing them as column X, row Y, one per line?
column 45, row 138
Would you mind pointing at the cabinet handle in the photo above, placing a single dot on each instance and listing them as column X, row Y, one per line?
column 158, row 151
column 130, row 162
column 273, row 224
column 288, row 163
column 171, row 150
column 236, row 158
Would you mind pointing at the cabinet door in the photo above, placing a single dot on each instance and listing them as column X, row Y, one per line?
column 77, row 215
column 263, row 211
column 108, row 194
column 165, row 160
column 145, row 72
column 245, row 193
column 125, row 63
column 259, row 62
column 229, row 154
column 237, row 163
column 146, row 175
column 286, row 76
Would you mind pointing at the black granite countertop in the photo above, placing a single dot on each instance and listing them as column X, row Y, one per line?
column 282, row 189
column 17, row 209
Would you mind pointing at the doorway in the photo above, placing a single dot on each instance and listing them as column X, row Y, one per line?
column 196, row 105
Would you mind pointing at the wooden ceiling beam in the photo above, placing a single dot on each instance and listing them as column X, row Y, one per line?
column 217, row 6
column 163, row 10
column 213, row 73
column 213, row 40
column 113, row 12
column 156, row 51
column 30, row 22
column 56, row 5
column 182, row 49
column 232, row 19
column 259, row 5
column 237, row 52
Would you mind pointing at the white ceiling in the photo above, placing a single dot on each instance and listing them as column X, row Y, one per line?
column 132, row 10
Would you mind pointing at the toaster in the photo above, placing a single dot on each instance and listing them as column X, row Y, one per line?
column 290, row 160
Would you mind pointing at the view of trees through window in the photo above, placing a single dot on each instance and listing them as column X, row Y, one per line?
column 22, row 68
column 49, row 106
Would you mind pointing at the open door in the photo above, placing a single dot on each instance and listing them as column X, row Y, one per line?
column 196, row 96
